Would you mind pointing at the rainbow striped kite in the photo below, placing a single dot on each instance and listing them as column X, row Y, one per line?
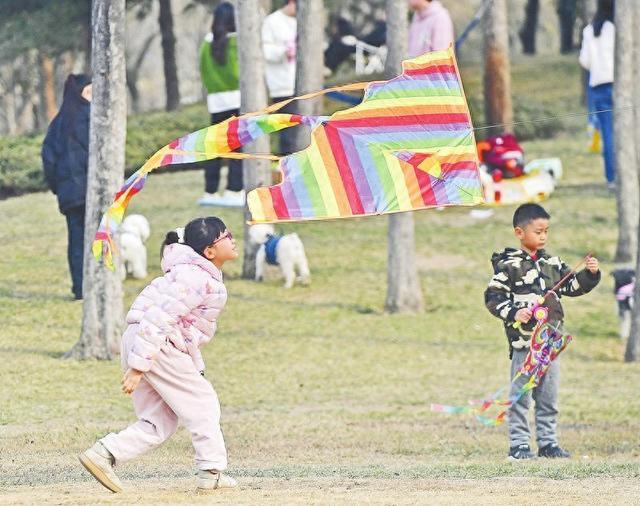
column 408, row 146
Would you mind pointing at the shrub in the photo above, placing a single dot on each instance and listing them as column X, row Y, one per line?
column 21, row 165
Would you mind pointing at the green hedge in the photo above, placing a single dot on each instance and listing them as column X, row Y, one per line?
column 533, row 120
column 21, row 167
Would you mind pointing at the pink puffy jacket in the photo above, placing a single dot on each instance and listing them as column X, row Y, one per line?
column 181, row 308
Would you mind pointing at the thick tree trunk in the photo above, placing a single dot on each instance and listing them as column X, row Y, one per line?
column 497, row 69
column 48, row 87
column 169, row 55
column 530, row 27
column 102, row 316
column 567, row 20
column 309, row 63
column 404, row 293
column 625, row 147
column 633, row 344
column 254, row 98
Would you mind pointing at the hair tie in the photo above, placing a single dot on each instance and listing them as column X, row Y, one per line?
column 180, row 232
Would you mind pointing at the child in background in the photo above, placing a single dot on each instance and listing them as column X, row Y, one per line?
column 167, row 324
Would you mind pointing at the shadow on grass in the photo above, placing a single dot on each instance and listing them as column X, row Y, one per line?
column 32, row 351
column 19, row 294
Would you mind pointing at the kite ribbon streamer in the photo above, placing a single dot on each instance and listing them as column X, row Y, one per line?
column 215, row 141
column 547, row 343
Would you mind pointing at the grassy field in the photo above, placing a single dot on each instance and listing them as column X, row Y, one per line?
column 325, row 398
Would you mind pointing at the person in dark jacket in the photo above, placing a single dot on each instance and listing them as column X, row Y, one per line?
column 65, row 157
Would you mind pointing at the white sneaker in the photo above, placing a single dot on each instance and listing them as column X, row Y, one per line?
column 232, row 199
column 99, row 462
column 208, row 199
column 211, row 480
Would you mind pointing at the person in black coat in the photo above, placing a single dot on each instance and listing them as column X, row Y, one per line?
column 65, row 158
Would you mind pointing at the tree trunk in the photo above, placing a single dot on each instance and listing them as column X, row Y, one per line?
column 48, row 84
column 133, row 72
column 169, row 56
column 497, row 71
column 404, row 293
column 631, row 353
column 530, row 27
column 585, row 11
column 253, row 93
column 567, row 19
column 309, row 64
column 625, row 147
column 102, row 316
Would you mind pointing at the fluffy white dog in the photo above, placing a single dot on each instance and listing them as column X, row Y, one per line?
column 286, row 251
column 133, row 233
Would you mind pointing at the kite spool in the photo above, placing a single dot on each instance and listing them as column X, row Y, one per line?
column 541, row 314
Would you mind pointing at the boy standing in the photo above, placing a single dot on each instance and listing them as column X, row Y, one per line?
column 521, row 277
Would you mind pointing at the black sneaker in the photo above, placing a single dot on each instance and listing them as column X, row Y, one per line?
column 521, row 452
column 553, row 451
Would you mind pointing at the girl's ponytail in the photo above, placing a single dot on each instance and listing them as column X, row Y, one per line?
column 223, row 24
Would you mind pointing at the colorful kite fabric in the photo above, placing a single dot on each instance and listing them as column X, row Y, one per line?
column 211, row 142
column 409, row 145
column 547, row 343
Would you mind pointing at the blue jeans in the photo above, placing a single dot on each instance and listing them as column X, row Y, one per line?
column 603, row 101
column 75, row 249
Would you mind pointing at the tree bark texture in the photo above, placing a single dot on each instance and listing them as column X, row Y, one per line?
column 102, row 316
column 633, row 344
column 404, row 293
column 309, row 63
column 48, row 84
column 627, row 188
column 530, row 27
column 253, row 93
column 169, row 56
column 497, row 69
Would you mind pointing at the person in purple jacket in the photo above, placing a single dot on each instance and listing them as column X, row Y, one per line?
column 167, row 324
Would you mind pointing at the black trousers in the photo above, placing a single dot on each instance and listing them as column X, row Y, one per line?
column 287, row 135
column 212, row 167
column 75, row 248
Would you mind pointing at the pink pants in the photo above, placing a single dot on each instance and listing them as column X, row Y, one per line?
column 171, row 391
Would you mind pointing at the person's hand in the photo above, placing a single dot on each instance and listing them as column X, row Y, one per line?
column 592, row 265
column 290, row 51
column 524, row 315
column 130, row 380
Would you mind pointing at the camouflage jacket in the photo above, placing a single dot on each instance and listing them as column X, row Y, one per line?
column 519, row 280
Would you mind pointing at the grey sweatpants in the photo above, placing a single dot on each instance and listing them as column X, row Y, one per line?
column 545, row 396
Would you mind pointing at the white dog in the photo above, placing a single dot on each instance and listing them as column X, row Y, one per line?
column 286, row 251
column 133, row 233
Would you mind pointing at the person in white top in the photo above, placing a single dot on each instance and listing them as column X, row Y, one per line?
column 597, row 56
column 279, row 31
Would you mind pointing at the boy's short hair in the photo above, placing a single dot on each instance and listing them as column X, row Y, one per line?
column 526, row 213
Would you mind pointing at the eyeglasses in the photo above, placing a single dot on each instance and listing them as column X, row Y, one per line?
column 226, row 235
